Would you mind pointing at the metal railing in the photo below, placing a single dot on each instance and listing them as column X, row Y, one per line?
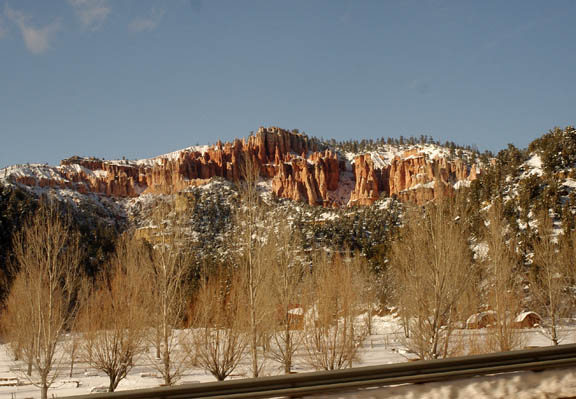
column 298, row 385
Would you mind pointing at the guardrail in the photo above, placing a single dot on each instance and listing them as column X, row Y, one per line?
column 298, row 385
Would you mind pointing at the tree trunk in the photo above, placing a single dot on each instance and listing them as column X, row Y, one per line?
column 254, row 355
column 369, row 321
column 405, row 324
column 71, row 366
column 166, row 360
column 167, row 376
column 113, row 384
column 44, row 391
column 554, row 330
column 288, row 350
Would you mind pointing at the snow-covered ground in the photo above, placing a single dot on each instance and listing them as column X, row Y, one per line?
column 385, row 346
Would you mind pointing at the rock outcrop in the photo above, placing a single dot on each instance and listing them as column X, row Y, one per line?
column 411, row 177
column 298, row 168
column 368, row 181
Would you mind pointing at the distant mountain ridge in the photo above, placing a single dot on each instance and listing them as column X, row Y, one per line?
column 291, row 164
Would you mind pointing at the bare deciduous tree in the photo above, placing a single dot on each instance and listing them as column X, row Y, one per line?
column 566, row 258
column 113, row 319
column 503, row 292
column 431, row 267
column 72, row 347
column 286, row 294
column 332, row 334
column 549, row 279
column 42, row 301
column 17, row 326
column 252, row 262
column 216, row 340
column 167, row 272
column 369, row 293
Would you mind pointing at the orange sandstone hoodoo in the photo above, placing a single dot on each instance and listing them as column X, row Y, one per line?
column 297, row 167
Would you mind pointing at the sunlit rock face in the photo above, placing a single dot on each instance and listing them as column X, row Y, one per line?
column 295, row 166
column 412, row 177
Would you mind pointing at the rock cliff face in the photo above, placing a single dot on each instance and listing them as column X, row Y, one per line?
column 368, row 181
column 412, row 177
column 299, row 168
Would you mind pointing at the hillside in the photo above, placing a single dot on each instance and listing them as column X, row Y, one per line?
column 315, row 184
column 323, row 181
column 532, row 182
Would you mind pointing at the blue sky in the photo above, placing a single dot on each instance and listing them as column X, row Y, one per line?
column 138, row 78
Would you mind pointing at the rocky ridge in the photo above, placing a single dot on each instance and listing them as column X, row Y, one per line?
column 297, row 167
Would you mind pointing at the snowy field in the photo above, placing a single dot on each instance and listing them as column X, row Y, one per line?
column 385, row 346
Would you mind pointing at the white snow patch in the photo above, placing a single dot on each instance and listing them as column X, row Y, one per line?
column 535, row 162
column 421, row 185
column 36, row 171
column 159, row 159
column 385, row 154
column 522, row 315
column 533, row 166
column 481, row 251
column 384, row 203
column 380, row 160
column 327, row 216
column 569, row 183
column 462, row 183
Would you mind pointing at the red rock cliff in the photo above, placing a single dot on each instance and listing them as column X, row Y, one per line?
column 295, row 165
column 412, row 177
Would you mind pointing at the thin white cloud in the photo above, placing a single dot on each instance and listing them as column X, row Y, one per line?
column 91, row 13
column 37, row 39
column 146, row 24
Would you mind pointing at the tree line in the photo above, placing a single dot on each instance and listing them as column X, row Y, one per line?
column 443, row 270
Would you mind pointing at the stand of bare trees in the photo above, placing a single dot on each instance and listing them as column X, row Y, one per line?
column 286, row 286
column 566, row 256
column 549, row 277
column 252, row 260
column 503, row 283
column 333, row 334
column 17, row 327
column 166, row 271
column 216, row 339
column 42, row 301
column 113, row 321
column 431, row 266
